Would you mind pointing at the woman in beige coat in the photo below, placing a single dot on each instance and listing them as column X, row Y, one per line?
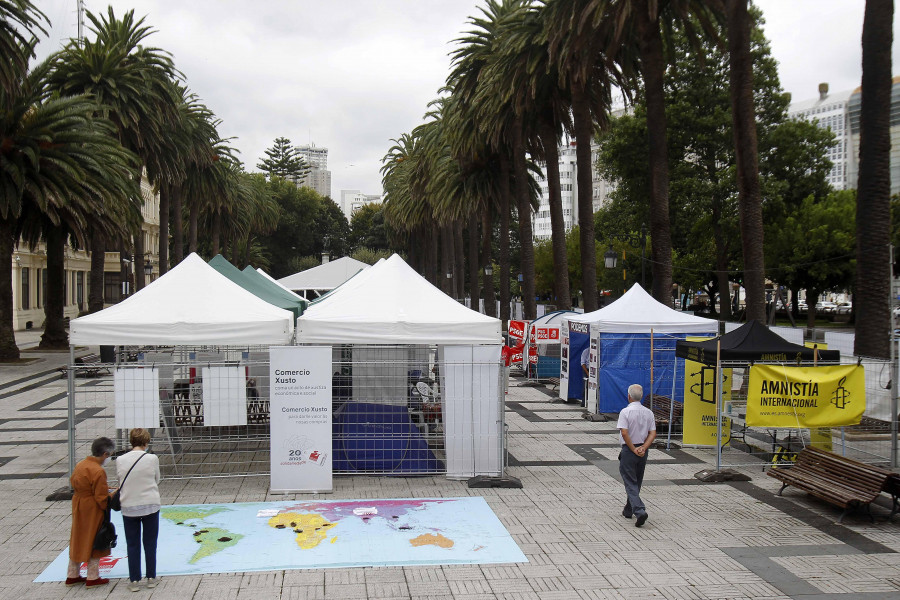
column 89, row 501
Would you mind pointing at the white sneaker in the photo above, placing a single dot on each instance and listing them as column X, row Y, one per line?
column 134, row 586
column 152, row 582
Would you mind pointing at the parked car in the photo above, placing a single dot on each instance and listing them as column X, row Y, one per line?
column 844, row 308
column 826, row 307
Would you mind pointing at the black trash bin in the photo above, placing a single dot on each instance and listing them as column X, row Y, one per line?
column 107, row 354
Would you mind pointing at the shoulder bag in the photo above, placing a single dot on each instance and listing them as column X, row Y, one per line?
column 106, row 537
column 115, row 501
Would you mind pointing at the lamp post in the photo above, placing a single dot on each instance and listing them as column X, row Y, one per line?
column 632, row 239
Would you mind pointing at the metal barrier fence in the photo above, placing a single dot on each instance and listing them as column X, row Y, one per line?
column 397, row 410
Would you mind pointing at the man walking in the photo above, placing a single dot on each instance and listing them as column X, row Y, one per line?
column 637, row 430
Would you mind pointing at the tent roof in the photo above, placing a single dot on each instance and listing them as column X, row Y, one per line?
column 638, row 312
column 256, row 286
column 272, row 279
column 751, row 342
column 324, row 277
column 392, row 304
column 190, row 305
column 553, row 318
column 273, row 287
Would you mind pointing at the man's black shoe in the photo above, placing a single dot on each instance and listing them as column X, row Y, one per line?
column 626, row 513
column 642, row 518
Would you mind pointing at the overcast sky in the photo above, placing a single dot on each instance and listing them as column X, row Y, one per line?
column 351, row 75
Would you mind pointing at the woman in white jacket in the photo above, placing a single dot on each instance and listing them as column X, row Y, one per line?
column 139, row 495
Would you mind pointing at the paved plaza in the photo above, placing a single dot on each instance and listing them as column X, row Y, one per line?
column 725, row 540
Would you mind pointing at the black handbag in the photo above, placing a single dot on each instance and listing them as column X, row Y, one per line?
column 106, row 534
column 115, row 501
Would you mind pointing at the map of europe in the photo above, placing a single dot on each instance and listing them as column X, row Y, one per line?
column 217, row 538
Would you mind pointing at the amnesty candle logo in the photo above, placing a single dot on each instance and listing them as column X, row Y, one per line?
column 831, row 396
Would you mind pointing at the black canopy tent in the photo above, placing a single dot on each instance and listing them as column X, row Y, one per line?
column 750, row 343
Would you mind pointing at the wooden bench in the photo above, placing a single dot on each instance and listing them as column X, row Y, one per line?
column 662, row 410
column 88, row 365
column 838, row 480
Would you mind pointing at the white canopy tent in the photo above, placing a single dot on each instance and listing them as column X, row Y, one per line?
column 324, row 277
column 275, row 281
column 636, row 312
column 192, row 305
column 392, row 304
column 387, row 314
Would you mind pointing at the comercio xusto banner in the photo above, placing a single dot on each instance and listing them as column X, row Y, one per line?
column 828, row 396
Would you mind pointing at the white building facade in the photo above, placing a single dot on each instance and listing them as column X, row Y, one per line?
column 319, row 177
column 829, row 111
column 353, row 200
column 568, row 183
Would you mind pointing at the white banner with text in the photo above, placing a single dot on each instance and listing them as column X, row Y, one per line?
column 300, row 410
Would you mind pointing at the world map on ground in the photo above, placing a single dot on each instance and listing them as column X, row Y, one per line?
column 269, row 536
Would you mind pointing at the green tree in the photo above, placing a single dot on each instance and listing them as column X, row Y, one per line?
column 368, row 229
column 814, row 246
column 296, row 231
column 332, row 232
column 703, row 187
column 59, row 163
column 285, row 161
column 20, row 20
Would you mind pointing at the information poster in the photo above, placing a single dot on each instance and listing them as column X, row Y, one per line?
column 700, row 403
column 593, row 378
column 300, row 410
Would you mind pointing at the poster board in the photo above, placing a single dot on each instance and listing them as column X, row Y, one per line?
column 300, row 419
column 136, row 398
column 700, row 403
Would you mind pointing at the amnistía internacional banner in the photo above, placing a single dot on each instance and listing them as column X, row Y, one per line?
column 300, row 410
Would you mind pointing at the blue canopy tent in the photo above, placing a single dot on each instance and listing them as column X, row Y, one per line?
column 544, row 333
column 622, row 332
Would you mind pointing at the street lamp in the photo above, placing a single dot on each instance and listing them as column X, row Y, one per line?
column 632, row 239
column 488, row 270
column 148, row 268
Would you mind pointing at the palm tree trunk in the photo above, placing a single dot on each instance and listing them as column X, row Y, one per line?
column 98, row 270
column 504, row 240
column 583, row 126
column 744, row 118
column 8, row 348
column 871, row 302
column 55, row 336
column 459, row 267
column 557, row 222
column 526, row 236
column 165, row 195
column 446, row 260
column 432, row 246
column 652, row 69
column 177, row 226
column 474, row 263
column 487, row 231
column 194, row 218
column 247, row 248
column 138, row 264
column 216, row 233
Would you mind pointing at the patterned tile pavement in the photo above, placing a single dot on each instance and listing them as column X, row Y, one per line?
column 703, row 541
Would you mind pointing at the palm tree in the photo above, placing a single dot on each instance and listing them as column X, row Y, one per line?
column 530, row 82
column 582, row 57
column 61, row 163
column 743, row 116
column 873, row 212
column 631, row 32
column 20, row 20
column 133, row 86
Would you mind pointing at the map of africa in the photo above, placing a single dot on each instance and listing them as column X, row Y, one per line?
column 266, row 536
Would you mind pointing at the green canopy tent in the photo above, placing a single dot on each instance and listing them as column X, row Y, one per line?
column 270, row 293
column 255, row 276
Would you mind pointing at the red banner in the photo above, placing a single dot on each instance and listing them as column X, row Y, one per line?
column 517, row 329
column 545, row 334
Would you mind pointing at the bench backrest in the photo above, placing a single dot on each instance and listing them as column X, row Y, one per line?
column 846, row 471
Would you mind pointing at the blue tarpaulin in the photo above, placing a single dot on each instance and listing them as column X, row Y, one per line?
column 625, row 359
column 380, row 438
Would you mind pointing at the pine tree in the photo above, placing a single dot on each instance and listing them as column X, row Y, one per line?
column 284, row 161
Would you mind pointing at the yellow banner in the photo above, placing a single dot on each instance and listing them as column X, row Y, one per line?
column 831, row 396
column 700, row 403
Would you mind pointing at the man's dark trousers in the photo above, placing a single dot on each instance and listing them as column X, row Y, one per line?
column 631, row 468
